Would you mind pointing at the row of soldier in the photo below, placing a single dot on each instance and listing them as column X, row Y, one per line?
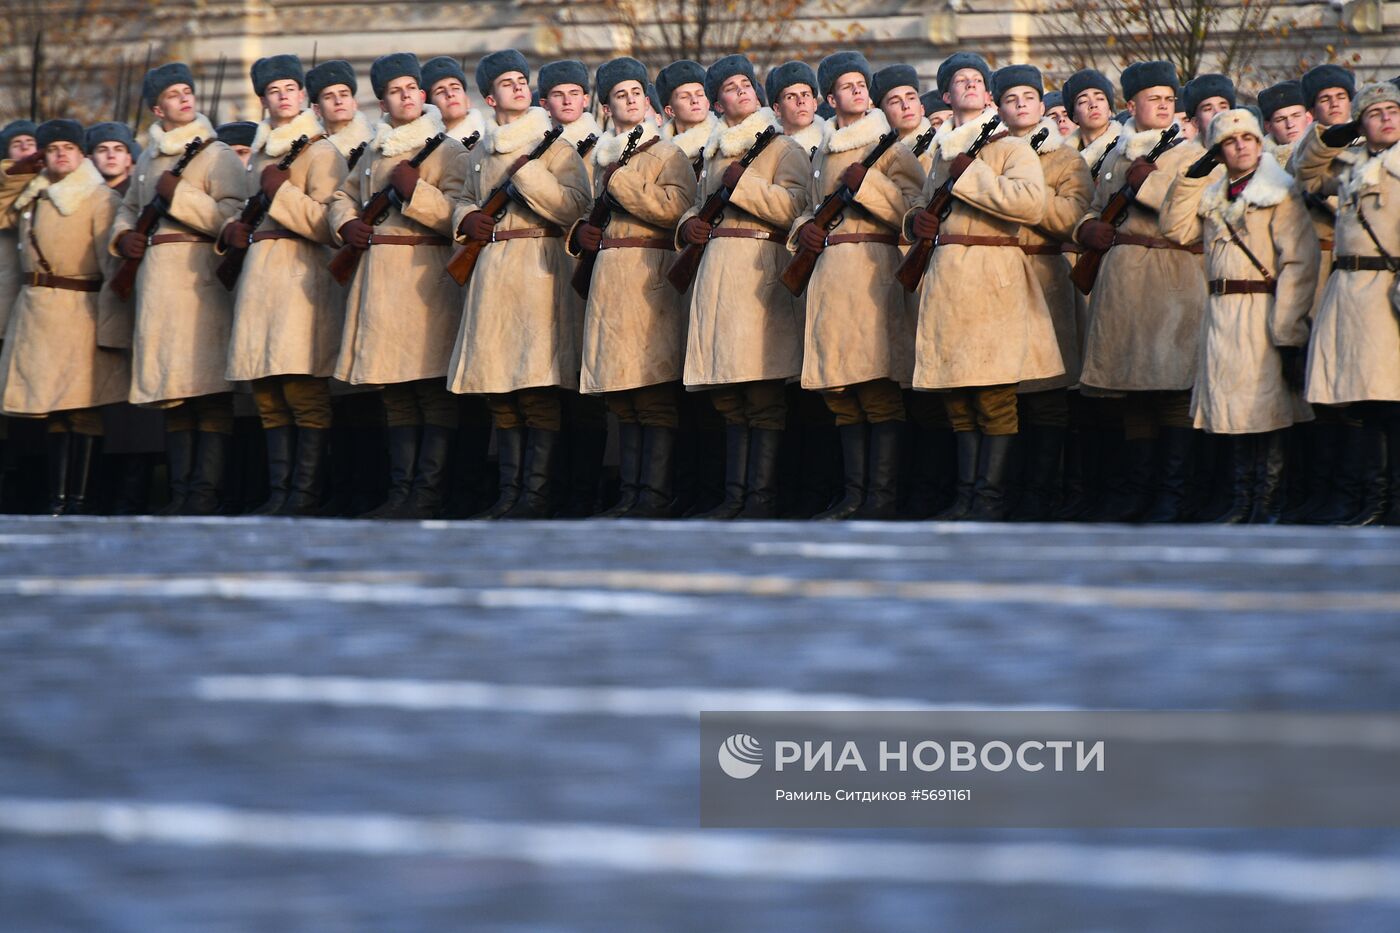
column 1185, row 311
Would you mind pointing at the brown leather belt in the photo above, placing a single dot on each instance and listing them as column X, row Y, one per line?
column 965, row 239
column 887, row 239
column 68, row 283
column 1326, row 245
column 526, row 233
column 274, row 235
column 742, row 233
column 1360, row 263
column 160, row 238
column 1041, row 249
column 385, row 239
column 1154, row 242
column 637, row 242
column 1241, row 287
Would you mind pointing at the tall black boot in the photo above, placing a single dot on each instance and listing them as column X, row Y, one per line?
column 1342, row 499
column 1392, row 443
column 133, row 483
column 1178, row 465
column 656, row 479
column 882, row 473
column 629, row 468
column 1128, row 484
column 210, row 468
column 537, row 484
column 1074, row 486
column 429, row 474
column 1320, row 444
column 402, row 444
column 855, row 446
column 586, row 446
column 179, row 460
column 819, row 466
column 989, row 495
column 341, row 469
column 470, row 476
column 1268, row 480
column 57, row 444
column 1045, row 448
column 510, row 461
column 707, row 488
column 761, row 499
column 931, row 463
column 1244, row 462
column 308, row 484
column 736, row 473
column 280, row 457
column 969, row 450
column 82, row 460
column 1375, row 478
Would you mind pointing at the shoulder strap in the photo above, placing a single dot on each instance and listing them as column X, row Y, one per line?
column 1391, row 262
column 34, row 241
column 1249, row 253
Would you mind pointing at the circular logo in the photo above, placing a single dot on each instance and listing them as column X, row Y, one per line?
column 740, row 756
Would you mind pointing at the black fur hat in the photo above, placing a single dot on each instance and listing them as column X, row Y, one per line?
column 787, row 74
column 1203, row 87
column 957, row 62
column 1086, row 79
column 887, row 79
column 386, row 68
column 329, row 74
column 724, row 69
column 162, row 77
column 567, row 71
column 677, row 74
column 1278, row 96
column 435, row 69
column 840, row 63
column 1316, row 80
column 59, row 131
column 611, row 74
column 496, row 64
column 238, row 133
column 1016, row 76
column 100, row 133
column 276, row 68
column 1142, row 75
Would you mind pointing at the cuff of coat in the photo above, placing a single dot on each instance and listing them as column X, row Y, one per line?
column 569, row 246
column 184, row 209
column 906, row 226
column 117, row 233
column 797, row 226
column 676, row 238
column 748, row 193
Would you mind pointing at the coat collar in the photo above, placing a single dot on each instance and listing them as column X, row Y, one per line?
column 731, row 141
column 581, row 129
column 811, row 136
column 864, row 132
column 1365, row 172
column 913, row 135
column 1095, row 150
column 352, row 134
column 67, row 194
column 390, row 141
column 1268, row 186
column 474, row 122
column 610, row 145
column 527, row 131
column 952, row 140
column 692, row 141
column 278, row 142
column 1053, row 139
column 1135, row 143
column 174, row 142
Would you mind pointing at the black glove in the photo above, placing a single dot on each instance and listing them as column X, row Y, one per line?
column 1205, row 164
column 1343, row 134
column 1294, row 363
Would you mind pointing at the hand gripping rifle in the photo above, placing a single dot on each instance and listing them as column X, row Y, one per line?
column 254, row 210
column 125, row 279
column 601, row 213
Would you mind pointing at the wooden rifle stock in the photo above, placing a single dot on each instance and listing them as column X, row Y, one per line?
column 600, row 214
column 125, row 279
column 254, row 210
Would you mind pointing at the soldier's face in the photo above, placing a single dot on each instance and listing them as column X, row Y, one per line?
column 849, row 95
column 61, row 158
column 22, row 147
column 336, row 105
column 903, row 108
column 1021, row 108
column 1380, row 124
column 566, row 103
column 967, row 91
column 689, row 105
column 284, row 99
column 627, row 104
column 510, row 93
column 1333, row 106
column 176, row 105
column 1241, row 154
column 938, row 118
column 1062, row 120
column 797, row 106
column 245, row 153
column 403, row 100
column 450, row 97
column 737, row 99
column 1206, row 111
column 1153, row 108
column 113, row 160
column 1093, row 109
column 1288, row 123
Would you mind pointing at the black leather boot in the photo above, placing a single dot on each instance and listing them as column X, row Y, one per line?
column 1342, row 498
column 280, row 457
column 1128, row 484
column 402, row 444
column 1375, row 478
column 969, row 448
column 761, row 499
column 855, row 448
column 586, row 448
column 57, row 444
column 179, row 459
column 989, row 494
column 656, row 481
column 308, row 484
column 1045, row 447
column 1244, row 461
column 429, row 475
column 537, row 483
column 736, row 474
column 510, row 460
column 1075, row 494
column 211, row 455
column 932, row 466
column 882, row 473
column 629, row 468
column 1268, row 480
column 1178, row 464
column 82, row 459
column 470, row 473
column 1392, row 436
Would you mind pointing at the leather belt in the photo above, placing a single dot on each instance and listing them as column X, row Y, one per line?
column 1042, row 249
column 160, row 238
column 526, row 233
column 1241, row 287
column 637, row 242
column 966, row 239
column 1154, row 242
column 1360, row 263
column 743, row 233
column 274, row 235
column 887, row 239
column 68, row 283
column 385, row 239
column 1326, row 245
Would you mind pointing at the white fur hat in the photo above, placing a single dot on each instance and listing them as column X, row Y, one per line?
column 1228, row 124
column 1373, row 94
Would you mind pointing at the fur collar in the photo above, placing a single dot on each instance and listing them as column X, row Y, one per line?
column 1268, row 186
column 1282, row 152
column 913, row 135
column 730, row 141
column 610, row 144
column 864, row 132
column 37, row 185
column 527, row 131
column 952, row 140
column 812, row 135
column 390, row 141
column 692, row 141
column 1053, row 140
column 1364, row 171
column 174, row 142
column 352, row 134
column 474, row 122
column 278, row 142
column 1135, row 143
column 1095, row 150
column 66, row 195
column 581, row 129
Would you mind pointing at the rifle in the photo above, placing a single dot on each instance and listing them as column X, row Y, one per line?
column 682, row 272
column 585, row 145
column 355, row 155
column 923, row 141
column 600, row 213
column 125, row 279
column 469, row 142
column 463, row 262
column 1039, row 137
column 1086, row 269
column 347, row 258
column 833, row 209
column 911, row 270
column 254, row 210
